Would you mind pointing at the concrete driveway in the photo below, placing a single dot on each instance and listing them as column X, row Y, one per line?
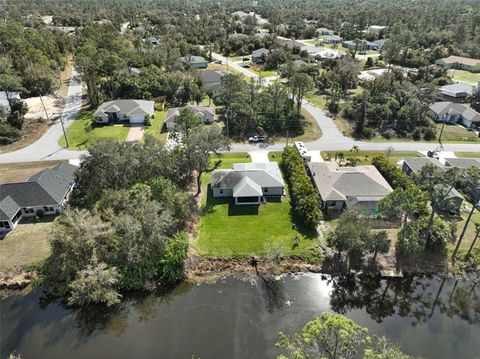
column 259, row 156
column 135, row 133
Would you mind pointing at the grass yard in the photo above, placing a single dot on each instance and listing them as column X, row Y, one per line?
column 365, row 157
column 80, row 134
column 227, row 230
column 156, row 128
column 465, row 76
column 27, row 244
column 319, row 101
column 310, row 42
column 21, row 171
column 262, row 73
column 468, row 154
column 311, row 132
column 456, row 133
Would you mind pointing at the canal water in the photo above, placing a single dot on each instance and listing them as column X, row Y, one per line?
column 432, row 317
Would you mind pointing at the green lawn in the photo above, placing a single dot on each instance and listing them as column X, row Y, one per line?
column 263, row 73
column 465, row 76
column 227, row 230
column 468, row 154
column 28, row 243
column 318, row 100
column 155, row 129
column 456, row 133
column 365, row 157
column 80, row 134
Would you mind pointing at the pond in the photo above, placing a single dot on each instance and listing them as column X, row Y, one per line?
column 233, row 318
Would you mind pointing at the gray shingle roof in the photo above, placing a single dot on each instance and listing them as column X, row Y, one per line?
column 457, row 90
column 262, row 174
column 128, row 107
column 260, row 52
column 451, row 108
column 192, row 59
column 47, row 187
column 417, row 163
column 462, row 163
column 200, row 111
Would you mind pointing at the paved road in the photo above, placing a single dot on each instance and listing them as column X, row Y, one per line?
column 47, row 147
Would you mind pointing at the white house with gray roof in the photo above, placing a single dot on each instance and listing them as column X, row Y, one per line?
column 454, row 113
column 47, row 192
column 248, row 183
column 205, row 114
column 456, row 92
column 361, row 187
column 132, row 111
column 195, row 62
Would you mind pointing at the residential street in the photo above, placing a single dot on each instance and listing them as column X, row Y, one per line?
column 47, row 148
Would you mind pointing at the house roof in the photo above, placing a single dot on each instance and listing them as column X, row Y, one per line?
column 47, row 187
column 211, row 76
column 261, row 174
column 127, row 107
column 456, row 90
column 350, row 184
column 324, row 30
column 260, row 52
column 192, row 59
column 247, row 187
column 452, row 108
column 417, row 163
column 460, row 60
column 462, row 163
column 200, row 111
column 332, row 38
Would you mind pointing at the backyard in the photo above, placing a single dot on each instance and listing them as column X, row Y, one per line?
column 81, row 133
column 21, row 171
column 227, row 230
column 27, row 244
column 465, row 76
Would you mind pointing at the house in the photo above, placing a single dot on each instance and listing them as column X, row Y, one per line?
column 413, row 165
column 195, row 62
column 289, row 43
column 332, row 39
column 206, row 114
column 462, row 163
column 248, row 183
column 4, row 101
column 460, row 62
column 324, row 31
column 454, row 113
column 132, row 111
column 456, row 92
column 262, row 35
column 259, row 55
column 153, row 40
column 241, row 14
column 310, row 22
column 46, row 192
column 377, row 29
column 360, row 187
column 212, row 79
column 452, row 202
column 313, row 51
column 361, row 45
column 379, row 44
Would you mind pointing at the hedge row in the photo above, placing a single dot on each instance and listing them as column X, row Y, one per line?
column 394, row 175
column 304, row 197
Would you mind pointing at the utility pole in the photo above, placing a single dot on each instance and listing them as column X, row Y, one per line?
column 63, row 129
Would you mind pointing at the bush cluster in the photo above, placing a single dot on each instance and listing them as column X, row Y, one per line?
column 394, row 175
column 305, row 200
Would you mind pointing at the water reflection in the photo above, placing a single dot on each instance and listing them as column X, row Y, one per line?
column 241, row 319
column 410, row 297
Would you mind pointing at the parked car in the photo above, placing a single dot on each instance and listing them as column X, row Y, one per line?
column 433, row 154
column 219, row 62
column 246, row 59
column 247, row 66
column 257, row 139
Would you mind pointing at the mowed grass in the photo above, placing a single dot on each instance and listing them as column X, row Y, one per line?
column 21, row 171
column 80, row 134
column 311, row 131
column 28, row 243
column 227, row 230
column 456, row 133
column 465, row 76
column 468, row 154
column 156, row 128
column 366, row 157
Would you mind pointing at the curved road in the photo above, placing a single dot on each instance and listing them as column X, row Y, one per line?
column 47, row 148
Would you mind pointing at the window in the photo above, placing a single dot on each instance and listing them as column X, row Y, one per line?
column 45, row 209
column 221, row 191
column 30, row 210
column 7, row 225
column 331, row 204
column 50, row 209
column 1, row 224
column 265, row 190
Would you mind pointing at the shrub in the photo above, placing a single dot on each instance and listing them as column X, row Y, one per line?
column 175, row 255
column 394, row 176
column 40, row 213
column 429, row 134
column 304, row 197
column 9, row 134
